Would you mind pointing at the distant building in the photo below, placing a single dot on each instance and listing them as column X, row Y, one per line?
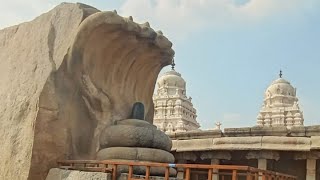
column 280, row 106
column 174, row 111
column 279, row 143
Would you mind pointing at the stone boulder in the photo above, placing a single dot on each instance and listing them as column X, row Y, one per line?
column 66, row 76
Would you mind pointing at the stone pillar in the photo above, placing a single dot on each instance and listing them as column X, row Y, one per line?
column 180, row 171
column 215, row 157
column 262, row 164
column 311, row 169
column 215, row 162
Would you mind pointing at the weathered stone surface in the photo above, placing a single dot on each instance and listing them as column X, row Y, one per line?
column 298, row 131
column 263, row 155
column 215, row 155
column 285, row 143
column 269, row 131
column 185, row 156
column 196, row 134
column 174, row 145
column 313, row 130
column 315, row 142
column 134, row 153
column 237, row 132
column 192, row 145
column 306, row 155
column 161, row 141
column 61, row 174
column 134, row 136
column 223, row 143
column 134, row 122
column 237, row 143
column 245, row 143
column 67, row 75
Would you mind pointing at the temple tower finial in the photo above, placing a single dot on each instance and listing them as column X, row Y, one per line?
column 172, row 64
column 280, row 74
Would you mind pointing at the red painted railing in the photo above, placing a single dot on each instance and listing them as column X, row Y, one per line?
column 223, row 171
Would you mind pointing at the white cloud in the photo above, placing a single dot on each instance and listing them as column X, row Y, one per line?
column 182, row 17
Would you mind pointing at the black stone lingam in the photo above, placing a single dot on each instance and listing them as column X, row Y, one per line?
column 138, row 111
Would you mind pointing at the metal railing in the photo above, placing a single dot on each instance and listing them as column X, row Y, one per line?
column 223, row 171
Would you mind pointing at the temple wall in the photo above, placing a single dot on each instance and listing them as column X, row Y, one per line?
column 318, row 170
column 300, row 164
column 289, row 166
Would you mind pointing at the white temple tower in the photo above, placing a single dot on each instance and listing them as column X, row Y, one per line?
column 280, row 106
column 174, row 111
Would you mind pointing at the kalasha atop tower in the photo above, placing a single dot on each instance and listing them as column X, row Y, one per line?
column 174, row 111
column 280, row 106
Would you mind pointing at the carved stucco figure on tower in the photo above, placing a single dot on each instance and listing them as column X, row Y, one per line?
column 174, row 111
column 280, row 106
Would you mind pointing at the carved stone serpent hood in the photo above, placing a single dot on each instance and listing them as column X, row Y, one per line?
column 119, row 58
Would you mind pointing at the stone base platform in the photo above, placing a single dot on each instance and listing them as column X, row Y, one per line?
column 61, row 174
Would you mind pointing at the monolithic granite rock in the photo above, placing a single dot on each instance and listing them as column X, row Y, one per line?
column 65, row 77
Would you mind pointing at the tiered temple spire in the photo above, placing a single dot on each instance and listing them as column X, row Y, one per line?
column 280, row 106
column 174, row 111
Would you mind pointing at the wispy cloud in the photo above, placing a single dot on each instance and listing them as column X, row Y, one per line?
column 182, row 17
column 176, row 17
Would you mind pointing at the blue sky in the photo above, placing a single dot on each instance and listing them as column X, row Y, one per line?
column 228, row 51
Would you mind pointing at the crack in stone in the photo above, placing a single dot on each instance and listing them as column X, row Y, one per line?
column 51, row 45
